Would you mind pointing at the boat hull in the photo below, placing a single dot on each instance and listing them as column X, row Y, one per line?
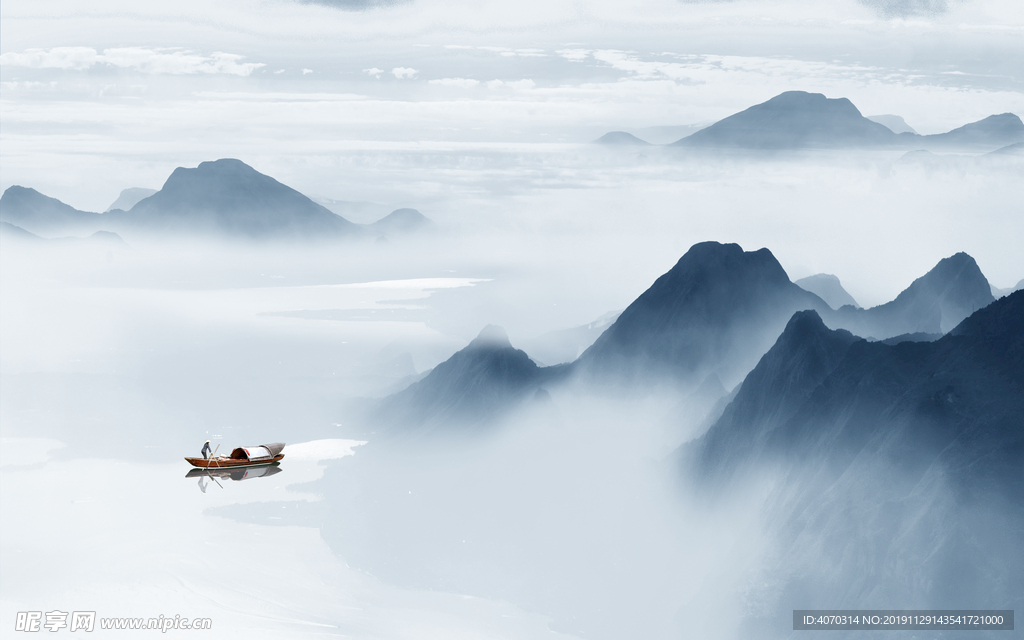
column 230, row 463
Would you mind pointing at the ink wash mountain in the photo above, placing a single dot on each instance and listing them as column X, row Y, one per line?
column 872, row 450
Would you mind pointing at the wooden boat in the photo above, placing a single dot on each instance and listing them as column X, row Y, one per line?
column 242, row 457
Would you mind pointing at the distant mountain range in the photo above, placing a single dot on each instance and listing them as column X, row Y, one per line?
column 827, row 287
column 934, row 303
column 879, row 452
column 999, row 293
column 104, row 239
column 229, row 197
column 802, row 120
column 697, row 331
column 225, row 198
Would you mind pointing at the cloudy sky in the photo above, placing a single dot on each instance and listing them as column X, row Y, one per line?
column 109, row 94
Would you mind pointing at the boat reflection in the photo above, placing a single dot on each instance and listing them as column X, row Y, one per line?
column 210, row 476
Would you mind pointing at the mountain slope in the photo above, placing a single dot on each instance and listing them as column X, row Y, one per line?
column 400, row 221
column 471, row 387
column 899, row 474
column 230, row 197
column 794, row 120
column 801, row 120
column 565, row 345
column 715, row 312
column 620, row 138
column 992, row 132
column 130, row 197
column 45, row 216
column 804, row 355
column 934, row 303
column 896, row 124
column 14, row 232
column 827, row 287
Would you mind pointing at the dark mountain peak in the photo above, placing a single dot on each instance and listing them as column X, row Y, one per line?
column 491, row 337
column 956, row 281
column 803, row 324
column 805, row 340
column 785, row 377
column 793, row 120
column 716, row 261
column 716, row 311
column 620, row 138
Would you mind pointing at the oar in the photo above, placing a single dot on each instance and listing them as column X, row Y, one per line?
column 214, row 478
column 213, row 457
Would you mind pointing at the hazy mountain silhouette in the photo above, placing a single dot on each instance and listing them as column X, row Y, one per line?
column 473, row 386
column 934, row 303
column 919, row 336
column 1015, row 149
column 400, row 222
column 716, row 311
column 104, row 239
column 231, row 198
column 896, row 124
column 45, row 216
column 130, row 197
column 666, row 134
column 621, row 138
column 783, row 380
column 565, row 345
column 907, row 458
column 224, row 197
column 801, row 120
column 794, row 120
column 14, row 232
column 827, row 287
column 999, row 293
column 993, row 131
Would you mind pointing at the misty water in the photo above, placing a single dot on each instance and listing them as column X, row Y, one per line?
column 562, row 519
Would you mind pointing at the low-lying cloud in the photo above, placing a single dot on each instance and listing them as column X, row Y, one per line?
column 464, row 83
column 404, row 73
column 887, row 8
column 142, row 59
column 357, row 5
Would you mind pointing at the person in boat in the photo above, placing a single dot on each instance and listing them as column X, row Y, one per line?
column 206, row 450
